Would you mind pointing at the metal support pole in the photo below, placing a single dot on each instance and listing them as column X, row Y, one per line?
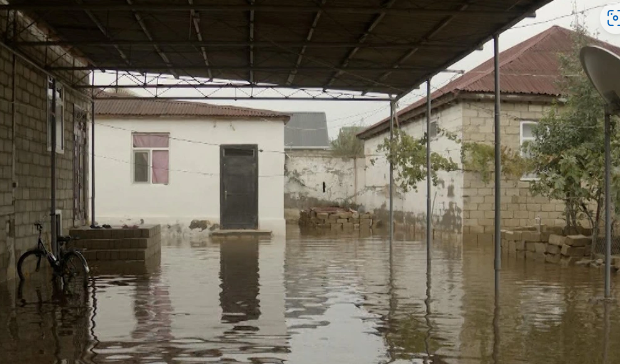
column 92, row 157
column 607, row 203
column 498, row 167
column 52, row 117
column 429, row 208
column 392, row 112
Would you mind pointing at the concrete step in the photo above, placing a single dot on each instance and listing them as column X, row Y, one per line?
column 144, row 231
column 112, row 254
column 104, row 244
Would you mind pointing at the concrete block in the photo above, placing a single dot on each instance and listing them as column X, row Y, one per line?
column 356, row 226
column 553, row 249
column 347, row 226
column 566, row 261
column 365, row 222
column 558, row 240
column 530, row 236
column 355, row 215
column 345, row 215
column 553, row 258
column 577, row 240
column 530, row 246
column 541, row 248
column 336, row 227
column 512, row 246
column 571, row 251
column 534, row 256
column 520, row 245
column 342, row 221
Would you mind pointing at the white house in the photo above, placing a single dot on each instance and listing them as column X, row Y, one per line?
column 189, row 165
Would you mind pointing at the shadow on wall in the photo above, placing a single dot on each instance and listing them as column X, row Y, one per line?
column 447, row 220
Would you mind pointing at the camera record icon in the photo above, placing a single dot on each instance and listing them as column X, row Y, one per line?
column 610, row 18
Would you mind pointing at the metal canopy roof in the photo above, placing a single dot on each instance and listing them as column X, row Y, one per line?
column 369, row 46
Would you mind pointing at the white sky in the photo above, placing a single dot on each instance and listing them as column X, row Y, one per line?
column 343, row 113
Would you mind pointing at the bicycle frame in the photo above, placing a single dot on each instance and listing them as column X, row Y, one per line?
column 53, row 260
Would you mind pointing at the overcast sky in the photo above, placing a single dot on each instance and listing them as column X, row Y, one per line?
column 342, row 113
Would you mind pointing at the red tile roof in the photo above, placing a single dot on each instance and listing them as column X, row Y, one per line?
column 529, row 68
column 107, row 105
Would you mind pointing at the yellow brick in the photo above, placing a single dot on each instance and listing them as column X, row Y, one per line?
column 470, row 222
column 533, row 207
column 477, row 214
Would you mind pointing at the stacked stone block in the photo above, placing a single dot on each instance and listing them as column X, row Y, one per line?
column 336, row 219
column 545, row 245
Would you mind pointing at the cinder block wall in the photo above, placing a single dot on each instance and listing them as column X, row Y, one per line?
column 24, row 158
column 519, row 206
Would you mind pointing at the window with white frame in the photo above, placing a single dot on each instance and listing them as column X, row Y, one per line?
column 151, row 158
column 527, row 135
column 57, row 113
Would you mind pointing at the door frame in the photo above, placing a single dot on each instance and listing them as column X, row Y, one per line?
column 223, row 147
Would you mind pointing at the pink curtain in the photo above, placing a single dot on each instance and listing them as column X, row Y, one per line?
column 150, row 140
column 160, row 167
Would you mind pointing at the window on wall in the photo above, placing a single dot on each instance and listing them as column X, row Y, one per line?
column 527, row 135
column 434, row 129
column 56, row 112
column 151, row 158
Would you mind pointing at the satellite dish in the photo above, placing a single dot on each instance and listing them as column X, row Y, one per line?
column 603, row 69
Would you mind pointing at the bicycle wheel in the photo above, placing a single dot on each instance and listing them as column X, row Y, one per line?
column 32, row 265
column 74, row 271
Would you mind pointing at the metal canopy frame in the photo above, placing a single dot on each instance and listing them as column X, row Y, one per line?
column 377, row 49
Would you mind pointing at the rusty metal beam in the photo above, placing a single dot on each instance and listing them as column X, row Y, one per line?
column 103, row 30
column 29, row 6
column 196, row 22
column 251, row 39
column 427, row 37
column 144, row 68
column 136, row 44
column 315, row 22
column 148, row 34
column 362, row 39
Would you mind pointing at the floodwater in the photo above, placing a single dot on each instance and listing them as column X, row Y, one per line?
column 317, row 300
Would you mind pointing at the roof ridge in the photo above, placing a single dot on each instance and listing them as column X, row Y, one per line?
column 113, row 97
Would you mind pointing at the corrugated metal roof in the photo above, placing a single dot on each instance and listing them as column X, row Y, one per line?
column 380, row 46
column 529, row 68
column 306, row 130
column 109, row 106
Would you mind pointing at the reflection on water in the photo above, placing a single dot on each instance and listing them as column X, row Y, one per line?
column 316, row 299
column 239, row 276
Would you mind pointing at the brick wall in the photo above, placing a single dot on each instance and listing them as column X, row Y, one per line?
column 519, row 207
column 24, row 158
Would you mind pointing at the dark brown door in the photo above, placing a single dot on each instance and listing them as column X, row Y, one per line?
column 239, row 186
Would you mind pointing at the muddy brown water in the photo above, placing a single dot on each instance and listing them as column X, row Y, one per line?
column 316, row 300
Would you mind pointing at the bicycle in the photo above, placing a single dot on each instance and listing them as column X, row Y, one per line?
column 70, row 265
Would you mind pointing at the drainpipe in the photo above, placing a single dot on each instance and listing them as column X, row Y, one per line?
column 392, row 104
column 429, row 208
column 498, row 167
column 53, row 115
column 13, row 132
